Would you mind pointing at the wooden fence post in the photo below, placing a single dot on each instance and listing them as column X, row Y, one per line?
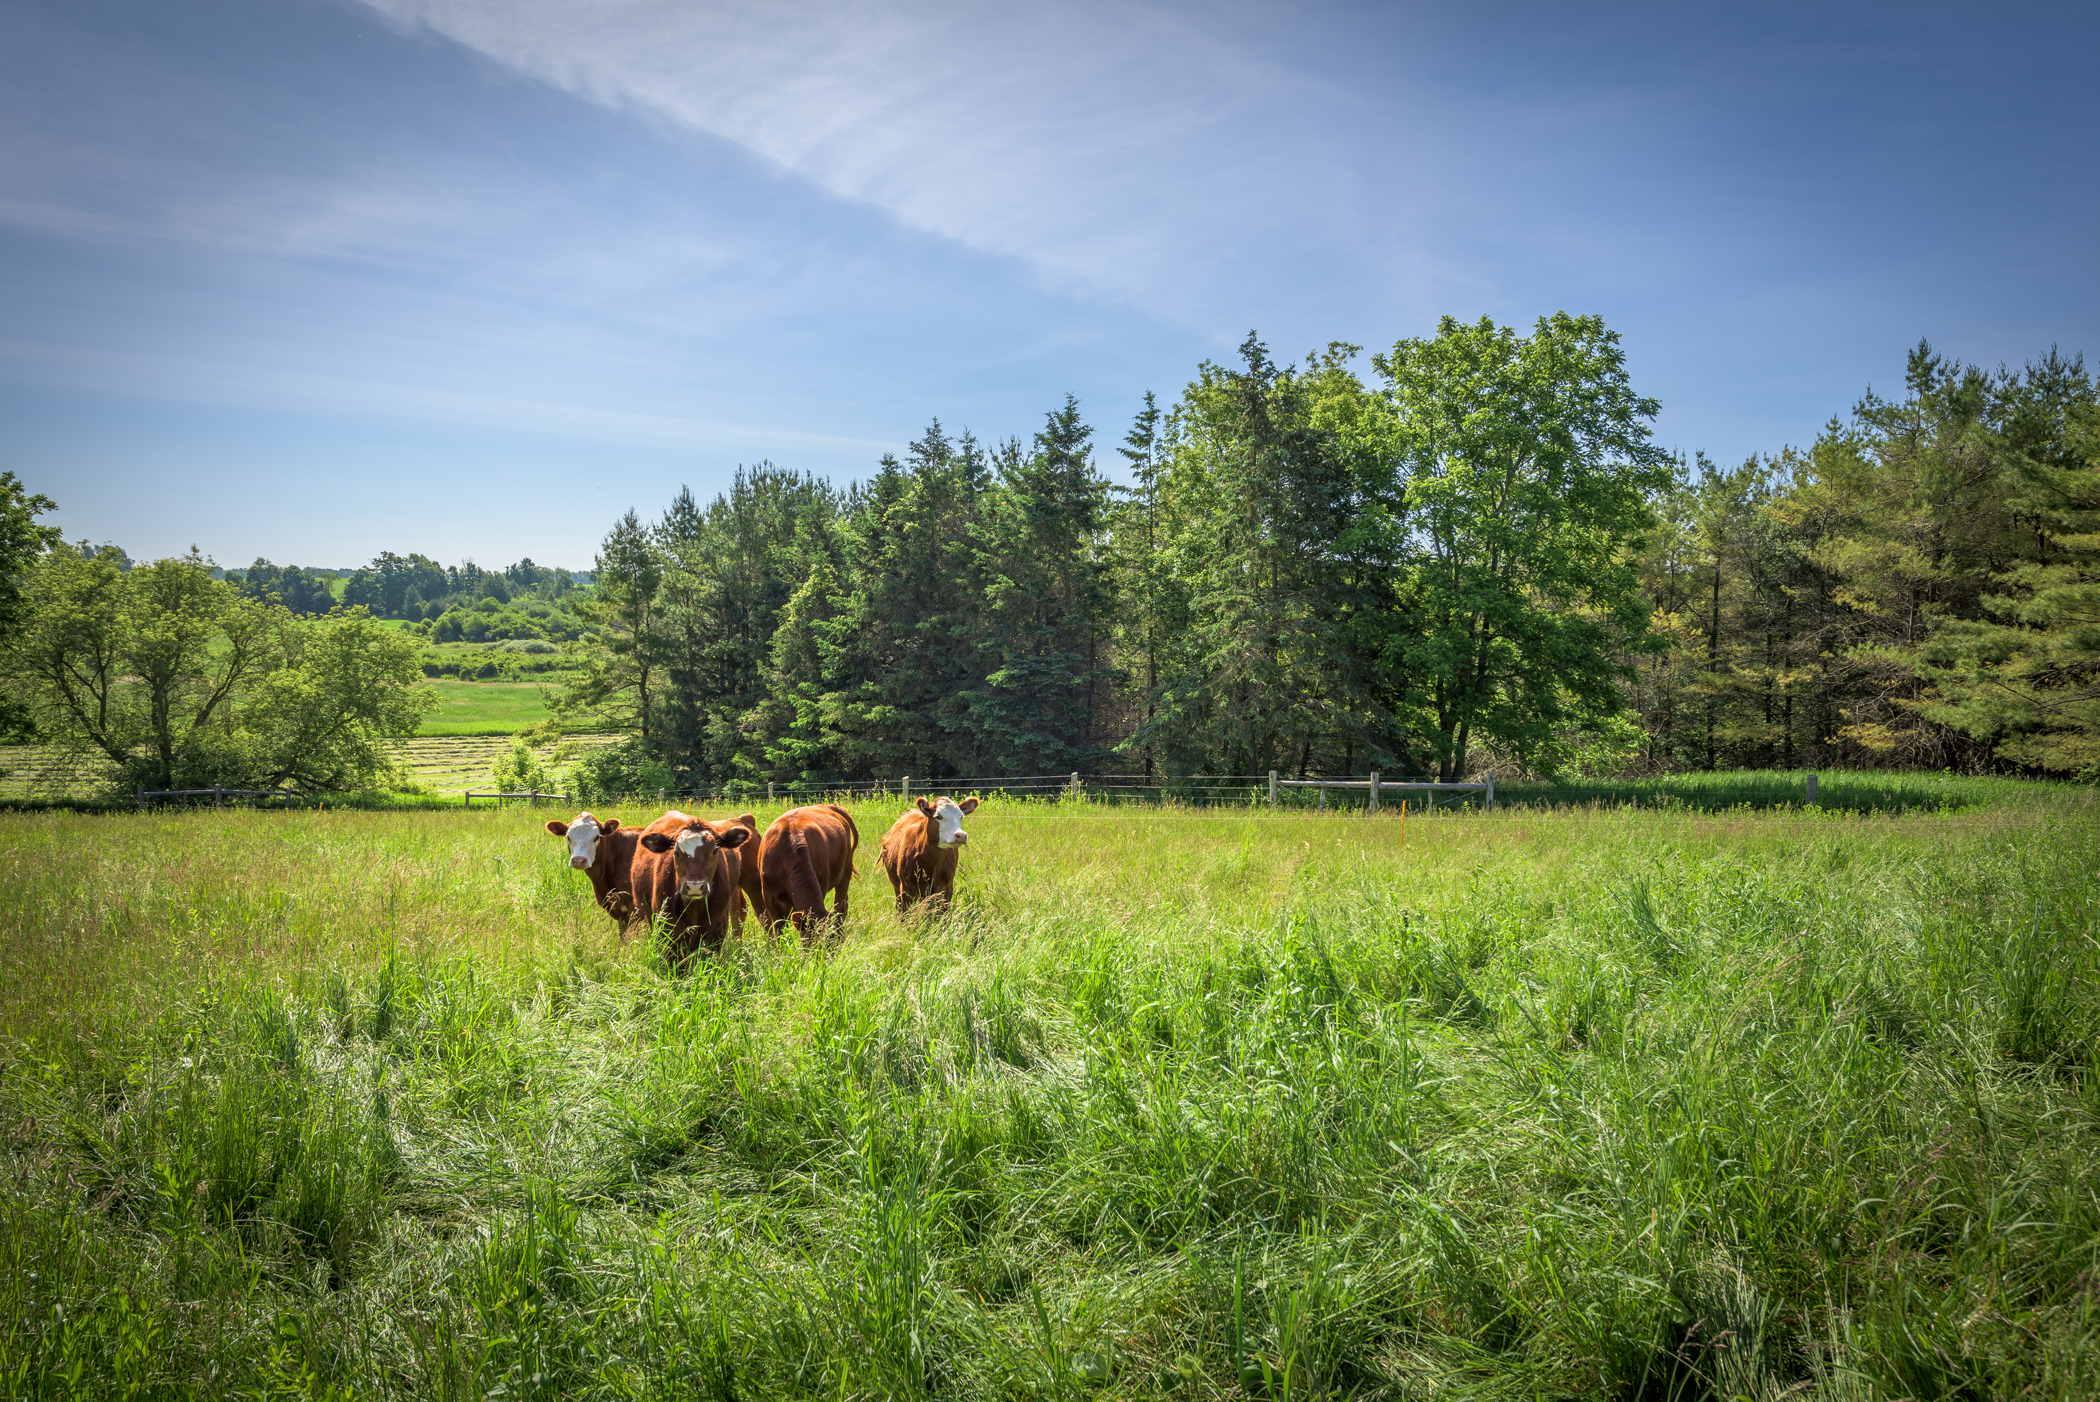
column 1491, row 791
column 907, row 791
column 1272, row 788
column 769, row 790
column 1812, row 791
column 218, row 796
column 1323, row 798
column 1374, row 792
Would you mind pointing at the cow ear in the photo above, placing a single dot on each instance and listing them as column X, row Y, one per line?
column 557, row 827
column 924, row 807
column 735, row 837
column 657, row 842
column 969, row 805
column 749, row 820
column 609, row 825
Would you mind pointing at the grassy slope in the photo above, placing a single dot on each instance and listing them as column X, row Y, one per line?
column 1591, row 1104
column 484, row 708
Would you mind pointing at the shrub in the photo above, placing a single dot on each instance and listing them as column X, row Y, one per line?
column 616, row 771
column 520, row 771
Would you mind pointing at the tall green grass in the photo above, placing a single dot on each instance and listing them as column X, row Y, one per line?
column 1602, row 1103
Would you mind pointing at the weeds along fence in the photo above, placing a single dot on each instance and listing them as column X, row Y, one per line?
column 219, row 796
column 531, row 798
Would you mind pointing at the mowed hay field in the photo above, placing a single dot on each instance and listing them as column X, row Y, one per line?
column 445, row 765
column 1587, row 1104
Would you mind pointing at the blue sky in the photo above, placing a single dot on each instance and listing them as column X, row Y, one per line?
column 315, row 278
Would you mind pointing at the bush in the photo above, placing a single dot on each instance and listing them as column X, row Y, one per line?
column 617, row 771
column 520, row 771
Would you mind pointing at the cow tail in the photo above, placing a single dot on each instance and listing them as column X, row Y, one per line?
column 853, row 840
column 802, row 877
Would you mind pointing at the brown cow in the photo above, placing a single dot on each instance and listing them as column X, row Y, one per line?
column 806, row 852
column 688, row 870
column 603, row 850
column 921, row 848
column 747, row 864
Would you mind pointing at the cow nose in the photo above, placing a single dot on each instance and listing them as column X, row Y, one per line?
column 961, row 838
column 578, row 863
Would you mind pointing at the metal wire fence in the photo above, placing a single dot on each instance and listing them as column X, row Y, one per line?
column 1180, row 790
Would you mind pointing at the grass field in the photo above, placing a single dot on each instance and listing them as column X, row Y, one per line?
column 484, row 708
column 1582, row 1104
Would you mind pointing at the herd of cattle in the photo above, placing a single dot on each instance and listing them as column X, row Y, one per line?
column 696, row 874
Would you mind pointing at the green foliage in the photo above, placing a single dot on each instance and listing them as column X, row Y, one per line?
column 178, row 680
column 1915, row 589
column 2026, row 672
column 1596, row 1104
column 21, row 541
column 297, row 589
column 521, row 771
column 1272, row 514
column 1529, row 469
column 629, row 769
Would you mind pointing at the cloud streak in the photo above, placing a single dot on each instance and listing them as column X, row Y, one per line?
column 1134, row 150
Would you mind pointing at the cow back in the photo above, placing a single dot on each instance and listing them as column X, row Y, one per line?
column 804, row 853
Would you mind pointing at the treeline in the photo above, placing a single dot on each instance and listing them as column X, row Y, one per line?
column 442, row 603
column 1477, row 557
column 1306, row 572
column 412, row 587
column 1920, row 588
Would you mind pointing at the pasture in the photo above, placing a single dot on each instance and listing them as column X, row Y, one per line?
column 484, row 708
column 1587, row 1103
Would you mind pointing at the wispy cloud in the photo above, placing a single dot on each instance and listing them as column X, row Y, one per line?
column 1137, row 150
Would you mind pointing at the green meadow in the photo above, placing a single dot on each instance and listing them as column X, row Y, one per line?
column 1578, row 1101
column 484, row 708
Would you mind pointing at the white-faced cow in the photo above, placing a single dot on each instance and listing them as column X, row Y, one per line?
column 604, row 851
column 921, row 849
column 688, row 870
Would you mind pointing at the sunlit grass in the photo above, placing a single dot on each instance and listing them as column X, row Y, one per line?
column 1588, row 1102
column 485, row 708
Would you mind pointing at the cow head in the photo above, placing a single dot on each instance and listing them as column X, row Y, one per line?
column 583, row 835
column 693, row 850
column 947, row 816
